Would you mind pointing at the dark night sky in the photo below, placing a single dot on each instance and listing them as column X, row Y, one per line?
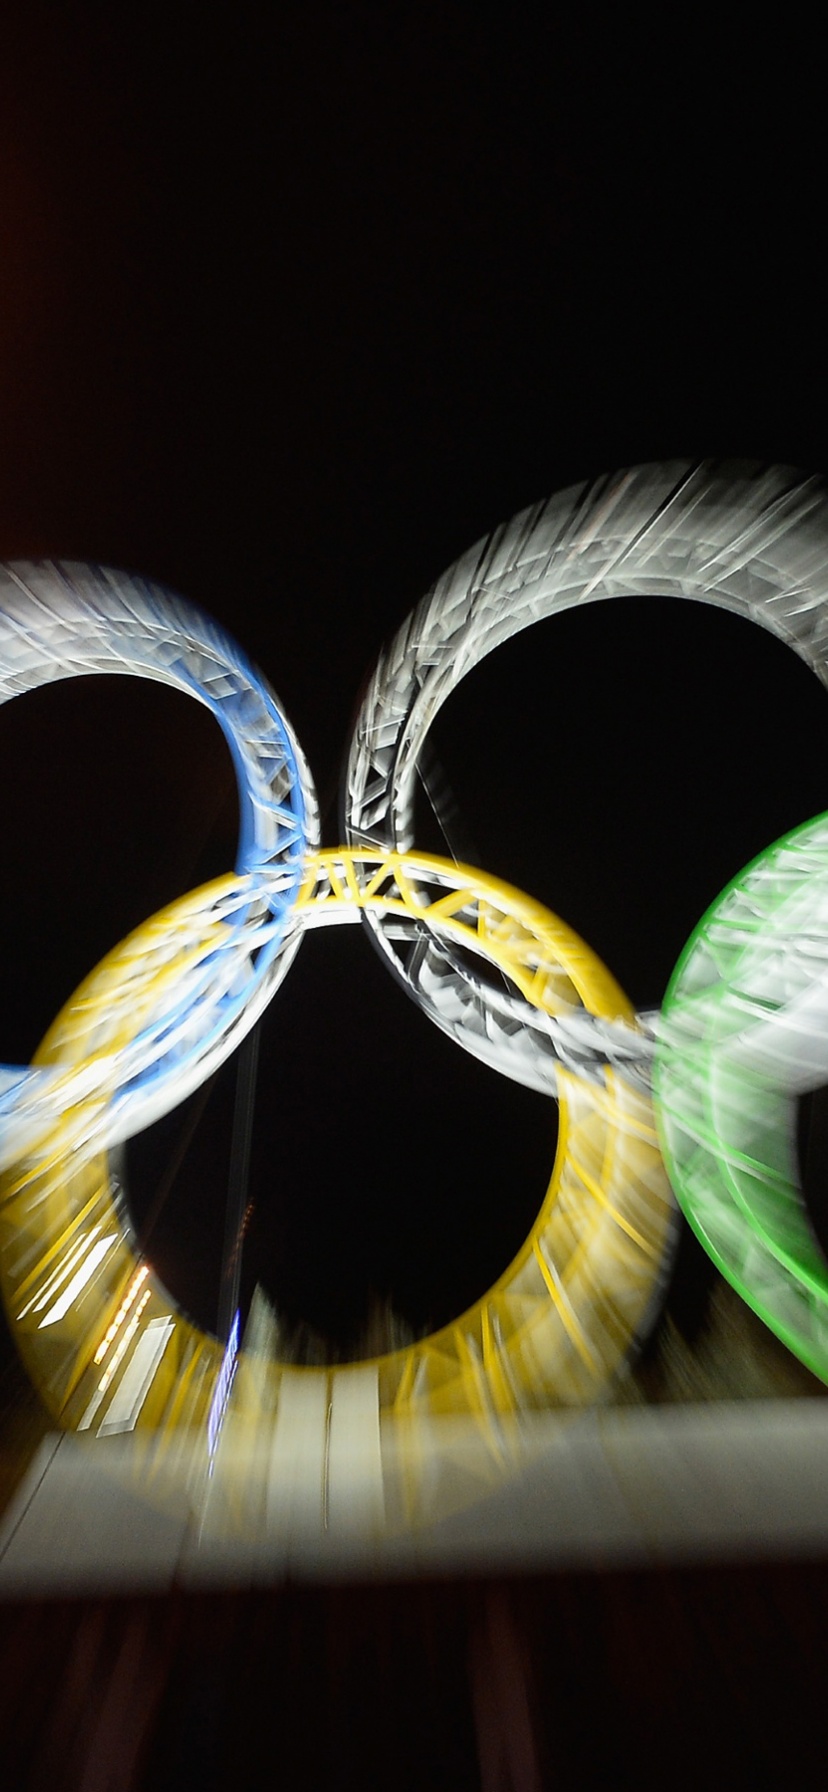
column 292, row 310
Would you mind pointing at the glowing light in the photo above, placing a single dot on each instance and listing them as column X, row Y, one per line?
column 744, row 1032
column 218, row 1407
column 129, row 1297
column 129, row 1334
column 114, row 1363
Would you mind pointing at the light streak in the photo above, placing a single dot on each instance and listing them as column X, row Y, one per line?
column 129, row 1334
column 58, row 1275
column 126, row 1303
column 79, row 1280
column 221, row 1393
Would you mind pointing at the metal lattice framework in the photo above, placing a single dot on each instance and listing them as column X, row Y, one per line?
column 109, row 1349
column 749, row 539
column 194, row 1002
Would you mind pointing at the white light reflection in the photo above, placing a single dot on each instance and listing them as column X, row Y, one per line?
column 79, row 1281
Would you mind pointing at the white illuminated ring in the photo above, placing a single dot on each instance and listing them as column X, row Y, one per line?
column 748, row 539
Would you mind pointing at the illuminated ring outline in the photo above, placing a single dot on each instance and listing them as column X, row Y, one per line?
column 744, row 1031
column 748, row 539
column 557, row 1324
column 60, row 620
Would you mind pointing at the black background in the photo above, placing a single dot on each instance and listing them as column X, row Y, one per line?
column 296, row 304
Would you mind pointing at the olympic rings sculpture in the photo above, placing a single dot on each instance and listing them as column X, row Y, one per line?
column 103, row 1340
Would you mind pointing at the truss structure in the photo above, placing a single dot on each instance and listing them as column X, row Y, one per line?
column 195, row 997
column 749, row 539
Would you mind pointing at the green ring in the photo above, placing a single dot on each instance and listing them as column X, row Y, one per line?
column 728, row 1128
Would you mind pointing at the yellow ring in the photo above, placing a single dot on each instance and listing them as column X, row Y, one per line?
column 107, row 1347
